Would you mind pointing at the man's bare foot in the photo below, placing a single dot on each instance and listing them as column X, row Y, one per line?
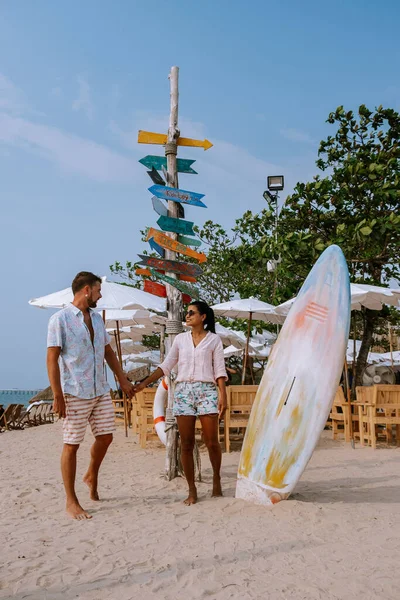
column 192, row 498
column 92, row 485
column 217, row 490
column 75, row 511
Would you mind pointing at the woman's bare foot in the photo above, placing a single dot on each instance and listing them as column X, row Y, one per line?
column 92, row 485
column 75, row 511
column 192, row 498
column 217, row 490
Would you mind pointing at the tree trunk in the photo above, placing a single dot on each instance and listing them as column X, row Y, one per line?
column 370, row 318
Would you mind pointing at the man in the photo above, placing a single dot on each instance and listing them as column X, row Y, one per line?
column 77, row 345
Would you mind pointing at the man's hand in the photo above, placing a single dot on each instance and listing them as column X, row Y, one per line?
column 222, row 404
column 127, row 387
column 59, row 406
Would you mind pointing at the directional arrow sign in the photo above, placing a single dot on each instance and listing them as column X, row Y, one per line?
column 154, row 246
column 187, row 278
column 189, row 241
column 147, row 137
column 166, row 242
column 183, row 164
column 147, row 273
column 155, row 177
column 177, row 195
column 176, row 225
column 170, row 266
column 157, row 289
column 179, row 285
column 159, row 207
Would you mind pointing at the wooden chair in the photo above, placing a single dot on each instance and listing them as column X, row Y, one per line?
column 378, row 405
column 145, row 401
column 240, row 400
column 7, row 416
column 340, row 417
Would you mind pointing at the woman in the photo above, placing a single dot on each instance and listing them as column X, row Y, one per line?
column 200, row 358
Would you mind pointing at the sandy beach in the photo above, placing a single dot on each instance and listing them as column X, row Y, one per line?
column 338, row 537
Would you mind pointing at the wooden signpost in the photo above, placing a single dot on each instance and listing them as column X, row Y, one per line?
column 176, row 225
column 177, row 195
column 183, row 165
column 154, row 246
column 182, row 287
column 189, row 241
column 170, row 166
column 155, row 177
column 157, row 289
column 159, row 207
column 170, row 266
column 163, row 240
column 148, row 137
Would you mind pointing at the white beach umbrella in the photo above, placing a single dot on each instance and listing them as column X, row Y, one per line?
column 115, row 296
column 370, row 296
column 126, row 318
column 243, row 308
column 251, row 309
column 232, row 351
column 149, row 357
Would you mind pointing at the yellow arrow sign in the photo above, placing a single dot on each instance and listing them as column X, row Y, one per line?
column 163, row 240
column 147, row 137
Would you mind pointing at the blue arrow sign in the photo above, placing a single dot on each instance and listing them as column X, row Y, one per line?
column 183, row 164
column 154, row 246
column 159, row 207
column 175, row 225
column 177, row 195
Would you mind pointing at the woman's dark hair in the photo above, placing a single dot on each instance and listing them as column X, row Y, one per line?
column 204, row 309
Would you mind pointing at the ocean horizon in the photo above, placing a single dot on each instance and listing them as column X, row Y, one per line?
column 16, row 396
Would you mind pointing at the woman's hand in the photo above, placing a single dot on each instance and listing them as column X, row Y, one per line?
column 139, row 387
column 222, row 404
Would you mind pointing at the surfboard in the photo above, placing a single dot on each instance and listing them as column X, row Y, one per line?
column 298, row 386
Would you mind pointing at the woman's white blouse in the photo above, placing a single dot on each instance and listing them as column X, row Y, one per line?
column 205, row 362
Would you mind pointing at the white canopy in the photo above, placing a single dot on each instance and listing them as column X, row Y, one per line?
column 246, row 308
column 373, row 357
column 115, row 296
column 370, row 296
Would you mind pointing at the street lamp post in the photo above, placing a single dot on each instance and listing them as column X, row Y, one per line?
column 275, row 184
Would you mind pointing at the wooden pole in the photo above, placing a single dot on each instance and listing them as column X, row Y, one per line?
column 246, row 353
column 174, row 296
column 390, row 344
column 348, row 397
column 162, row 343
column 124, row 398
column 354, row 366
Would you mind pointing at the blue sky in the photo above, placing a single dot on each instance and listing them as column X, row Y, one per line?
column 78, row 79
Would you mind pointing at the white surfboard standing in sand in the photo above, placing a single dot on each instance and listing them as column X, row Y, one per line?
column 298, row 386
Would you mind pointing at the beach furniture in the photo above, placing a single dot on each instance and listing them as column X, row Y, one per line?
column 340, row 417
column 379, row 411
column 15, row 417
column 240, row 399
column 47, row 413
column 145, row 425
column 7, row 416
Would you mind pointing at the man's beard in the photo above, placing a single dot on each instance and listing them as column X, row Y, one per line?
column 91, row 303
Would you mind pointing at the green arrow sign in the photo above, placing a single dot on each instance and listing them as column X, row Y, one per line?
column 183, row 164
column 175, row 225
column 188, row 241
column 179, row 285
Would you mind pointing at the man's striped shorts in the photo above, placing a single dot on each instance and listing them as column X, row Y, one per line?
column 98, row 412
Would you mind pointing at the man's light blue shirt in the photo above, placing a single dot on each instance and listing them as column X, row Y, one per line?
column 81, row 362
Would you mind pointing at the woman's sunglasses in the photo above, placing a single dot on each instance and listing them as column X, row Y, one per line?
column 190, row 313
